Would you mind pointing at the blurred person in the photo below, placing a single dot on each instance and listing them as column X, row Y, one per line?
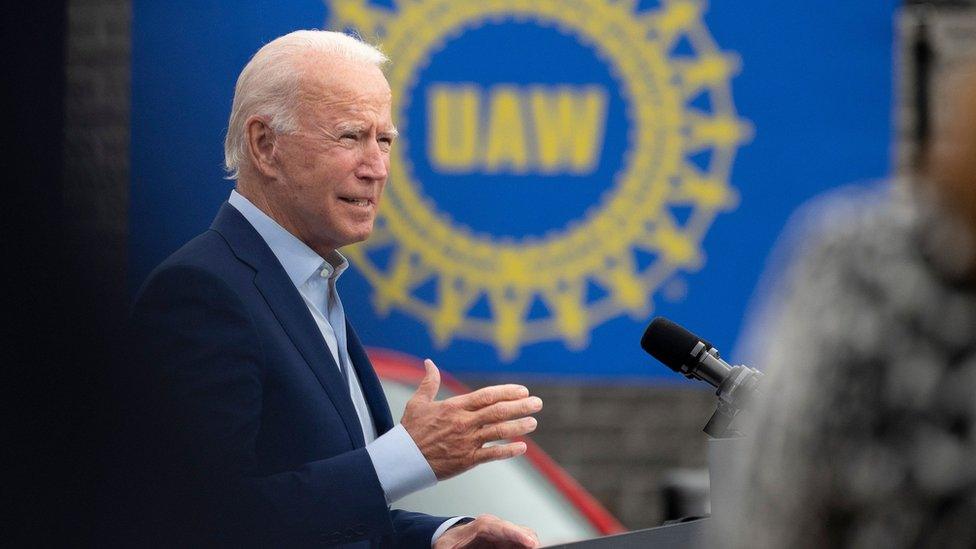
column 272, row 426
column 866, row 436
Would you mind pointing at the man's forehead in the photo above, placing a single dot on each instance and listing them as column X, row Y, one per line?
column 352, row 94
column 351, row 109
column 350, row 102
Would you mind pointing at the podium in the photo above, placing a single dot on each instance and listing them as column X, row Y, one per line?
column 723, row 494
column 680, row 535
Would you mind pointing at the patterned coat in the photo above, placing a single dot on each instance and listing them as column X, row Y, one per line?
column 866, row 436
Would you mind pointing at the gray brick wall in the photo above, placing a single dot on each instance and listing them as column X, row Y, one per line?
column 950, row 28
column 96, row 156
column 623, row 442
column 620, row 442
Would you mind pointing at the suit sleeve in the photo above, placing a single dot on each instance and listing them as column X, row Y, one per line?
column 414, row 529
column 199, row 350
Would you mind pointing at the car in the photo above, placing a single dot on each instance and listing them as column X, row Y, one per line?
column 531, row 489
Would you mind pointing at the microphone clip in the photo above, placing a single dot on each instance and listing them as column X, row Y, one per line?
column 735, row 393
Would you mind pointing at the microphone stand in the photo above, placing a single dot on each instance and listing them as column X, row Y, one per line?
column 735, row 393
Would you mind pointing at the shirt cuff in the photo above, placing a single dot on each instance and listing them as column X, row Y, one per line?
column 399, row 465
column 445, row 525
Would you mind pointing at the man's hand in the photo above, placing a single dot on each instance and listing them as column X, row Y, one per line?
column 452, row 433
column 487, row 531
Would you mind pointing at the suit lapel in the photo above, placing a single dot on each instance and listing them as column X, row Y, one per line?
column 290, row 310
column 372, row 390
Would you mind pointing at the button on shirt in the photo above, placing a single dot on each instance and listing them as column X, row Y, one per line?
column 399, row 464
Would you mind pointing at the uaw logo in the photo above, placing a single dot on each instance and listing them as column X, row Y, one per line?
column 558, row 162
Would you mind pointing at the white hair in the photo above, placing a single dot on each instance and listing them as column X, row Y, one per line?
column 269, row 84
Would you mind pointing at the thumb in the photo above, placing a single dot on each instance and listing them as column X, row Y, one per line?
column 431, row 383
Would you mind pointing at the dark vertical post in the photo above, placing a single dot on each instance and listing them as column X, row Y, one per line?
column 922, row 55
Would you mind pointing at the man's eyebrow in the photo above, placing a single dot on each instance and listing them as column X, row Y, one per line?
column 360, row 127
column 350, row 127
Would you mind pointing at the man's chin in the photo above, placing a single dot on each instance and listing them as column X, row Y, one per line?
column 359, row 236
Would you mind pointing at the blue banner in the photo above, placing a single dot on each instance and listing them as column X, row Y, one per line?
column 565, row 170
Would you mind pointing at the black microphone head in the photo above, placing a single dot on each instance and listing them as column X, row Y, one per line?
column 670, row 343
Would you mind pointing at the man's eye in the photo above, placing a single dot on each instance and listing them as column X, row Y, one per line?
column 348, row 136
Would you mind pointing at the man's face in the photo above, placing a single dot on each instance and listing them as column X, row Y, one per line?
column 331, row 172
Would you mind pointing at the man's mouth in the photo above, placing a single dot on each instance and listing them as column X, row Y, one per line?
column 363, row 202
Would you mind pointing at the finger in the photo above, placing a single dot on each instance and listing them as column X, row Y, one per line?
column 507, row 429
column 528, row 531
column 498, row 452
column 511, row 409
column 427, row 390
column 521, row 535
column 487, row 396
column 503, row 533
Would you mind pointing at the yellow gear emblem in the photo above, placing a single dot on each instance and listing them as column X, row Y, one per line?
column 598, row 248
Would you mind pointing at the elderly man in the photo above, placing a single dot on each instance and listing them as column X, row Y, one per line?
column 275, row 426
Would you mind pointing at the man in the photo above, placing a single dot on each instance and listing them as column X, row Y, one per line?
column 275, row 426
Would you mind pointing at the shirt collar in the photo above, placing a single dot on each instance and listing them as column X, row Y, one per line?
column 299, row 261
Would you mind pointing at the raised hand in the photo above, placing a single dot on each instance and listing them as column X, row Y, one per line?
column 452, row 434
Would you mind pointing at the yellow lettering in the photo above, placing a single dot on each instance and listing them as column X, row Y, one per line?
column 569, row 127
column 452, row 139
column 546, row 129
column 506, row 132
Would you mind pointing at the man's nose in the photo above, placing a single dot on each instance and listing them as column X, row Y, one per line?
column 373, row 165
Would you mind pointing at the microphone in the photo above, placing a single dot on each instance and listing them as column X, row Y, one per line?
column 696, row 358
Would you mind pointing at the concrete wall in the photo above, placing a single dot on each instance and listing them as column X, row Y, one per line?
column 620, row 442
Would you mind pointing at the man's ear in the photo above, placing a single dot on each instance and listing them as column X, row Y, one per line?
column 261, row 146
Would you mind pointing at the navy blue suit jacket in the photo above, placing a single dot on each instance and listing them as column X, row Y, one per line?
column 264, row 444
